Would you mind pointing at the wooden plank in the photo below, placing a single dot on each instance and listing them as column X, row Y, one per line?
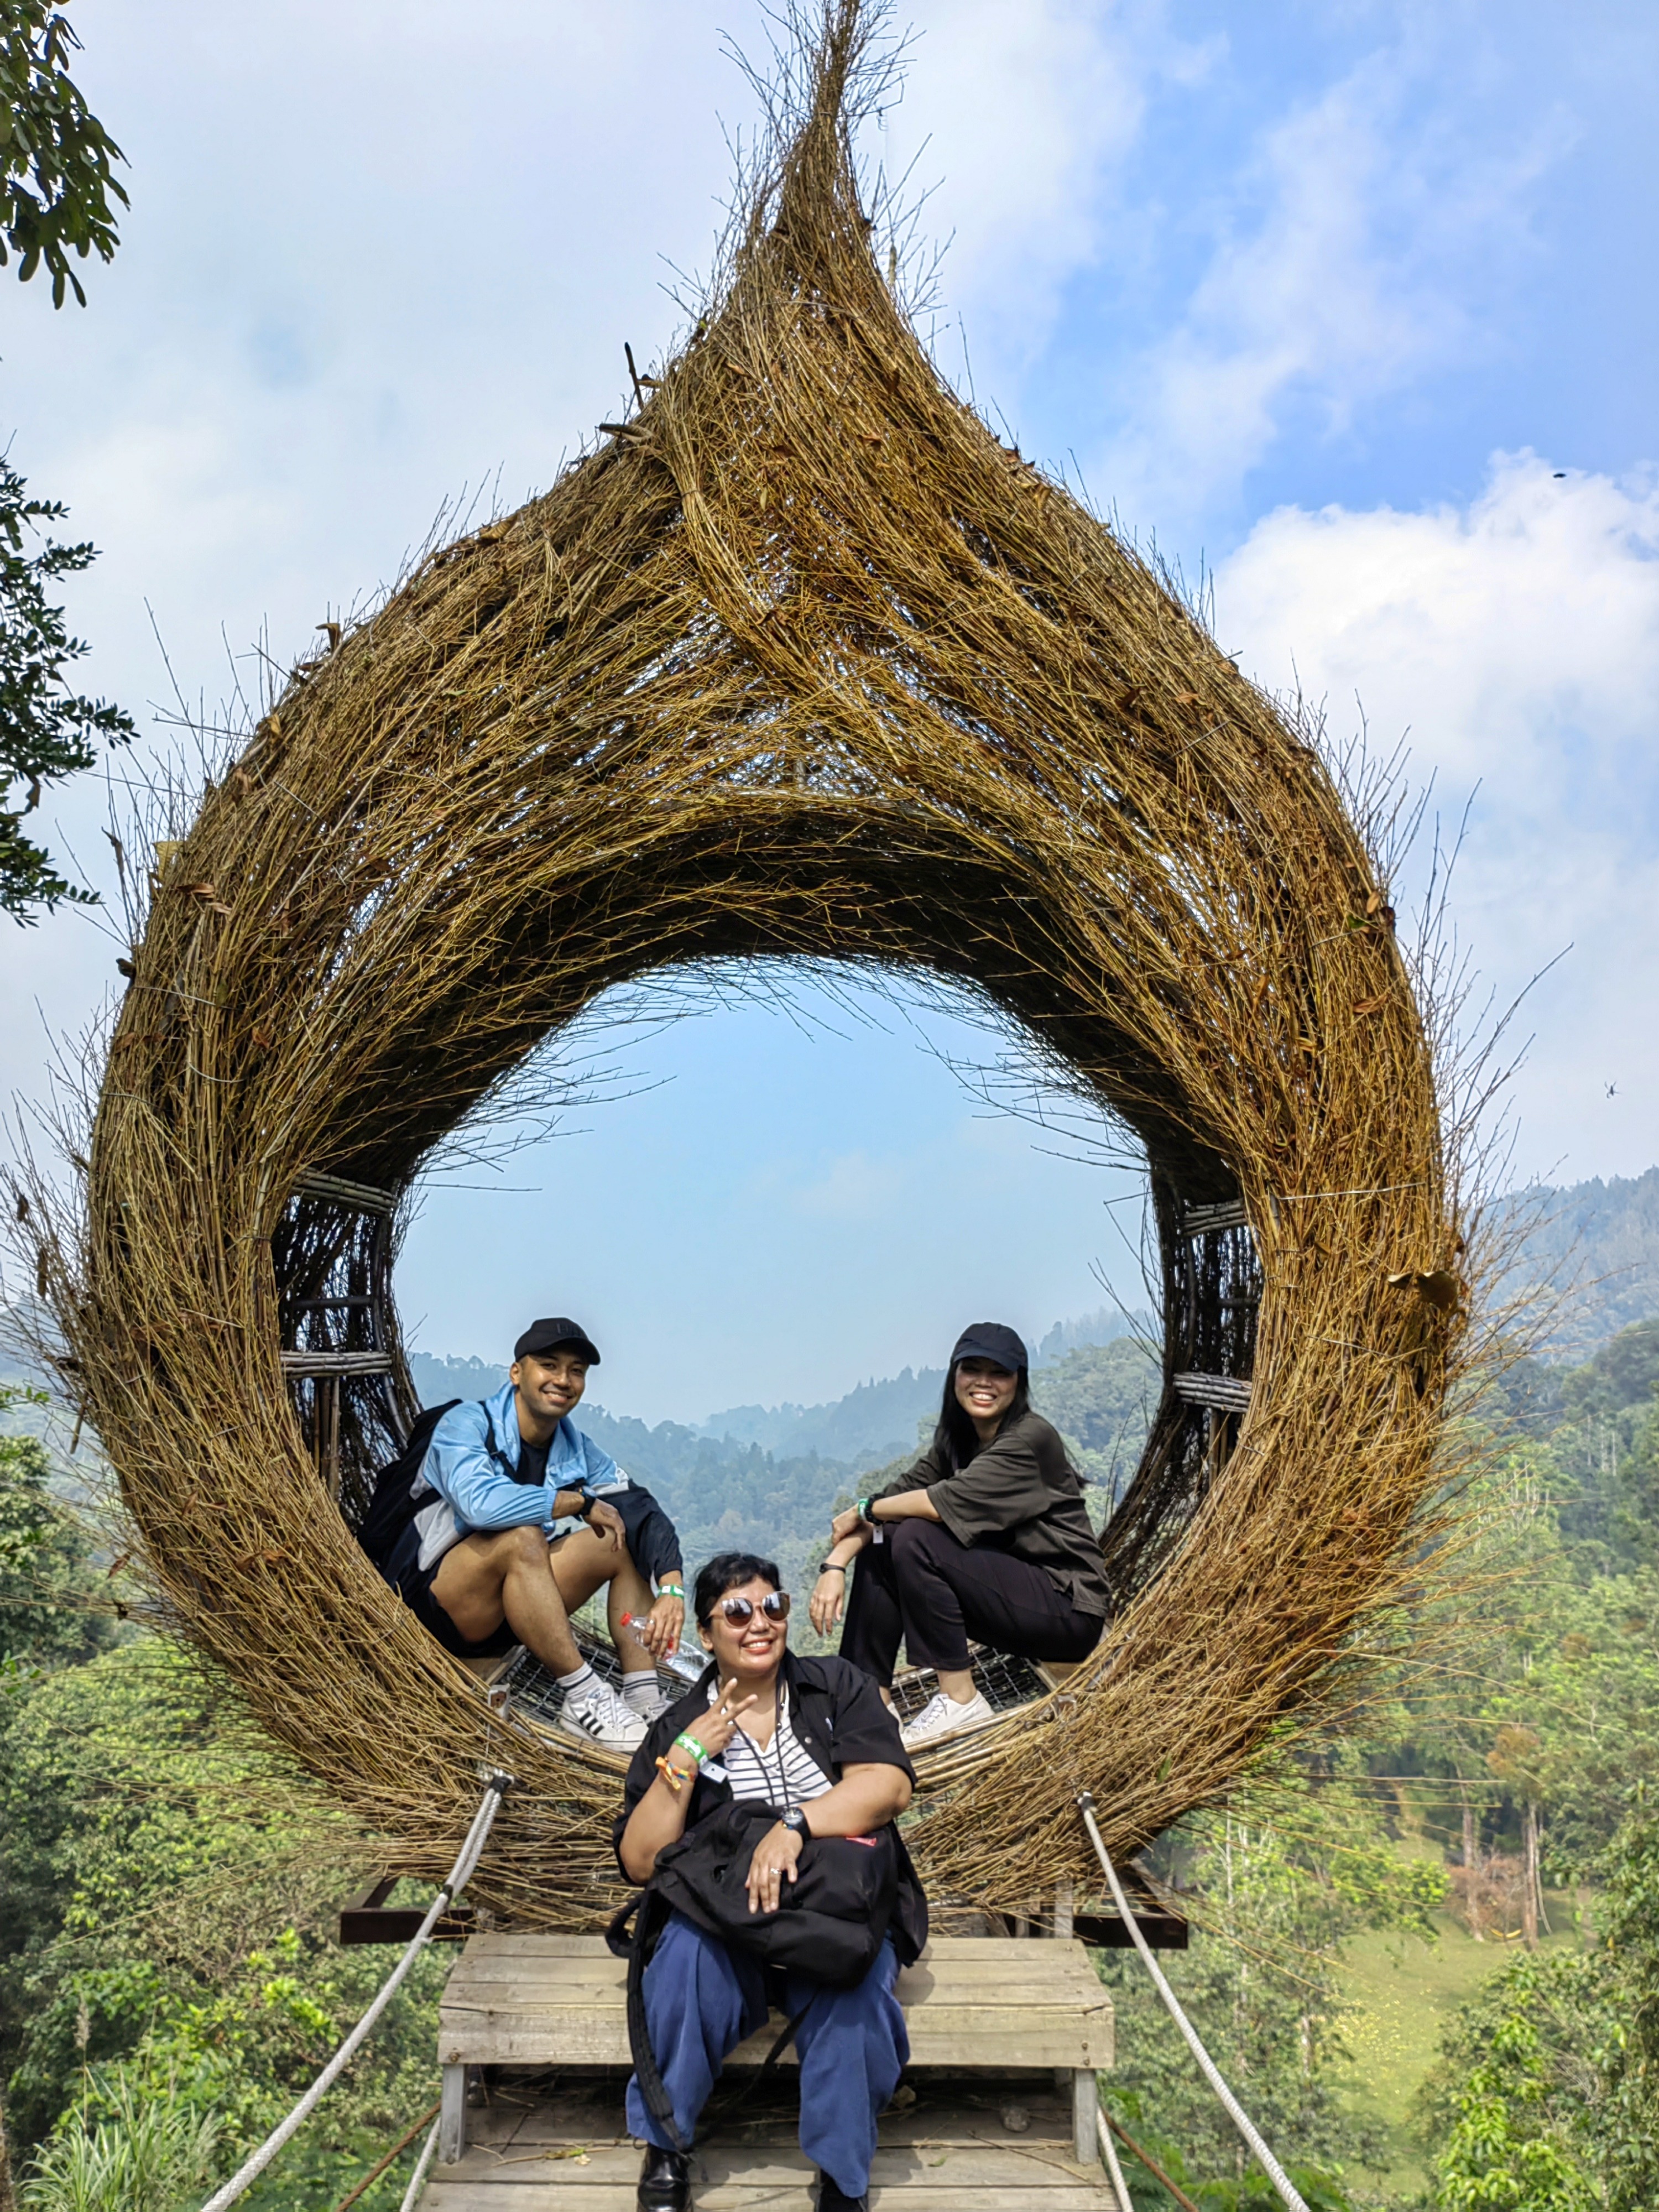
column 572, row 2195
column 965, row 2036
column 362, row 1195
column 583, row 1992
column 1207, row 1220
column 1227, row 1394
column 300, row 1366
column 776, row 2166
column 948, row 2151
column 595, row 2121
column 942, row 1952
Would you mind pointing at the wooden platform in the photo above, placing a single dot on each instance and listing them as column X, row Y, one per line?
column 947, row 2146
column 1002, row 2032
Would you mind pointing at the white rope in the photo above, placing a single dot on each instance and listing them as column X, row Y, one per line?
column 1107, row 2151
column 423, row 2167
column 1270, row 2165
column 459, row 1875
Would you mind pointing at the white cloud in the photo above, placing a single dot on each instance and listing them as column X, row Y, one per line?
column 1021, row 114
column 1517, row 640
column 1340, row 271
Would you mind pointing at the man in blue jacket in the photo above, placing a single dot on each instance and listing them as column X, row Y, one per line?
column 482, row 1561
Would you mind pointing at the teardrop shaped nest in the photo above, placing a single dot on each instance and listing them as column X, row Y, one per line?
column 800, row 662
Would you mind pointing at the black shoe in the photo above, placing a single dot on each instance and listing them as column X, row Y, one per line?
column 665, row 2181
column 834, row 2198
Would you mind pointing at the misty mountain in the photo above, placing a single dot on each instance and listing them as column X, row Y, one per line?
column 1595, row 1247
column 878, row 1420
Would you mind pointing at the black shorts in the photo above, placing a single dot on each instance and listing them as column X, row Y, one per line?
column 413, row 1583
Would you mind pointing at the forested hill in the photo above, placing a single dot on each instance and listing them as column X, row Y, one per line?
column 879, row 1419
column 1599, row 1243
column 724, row 1490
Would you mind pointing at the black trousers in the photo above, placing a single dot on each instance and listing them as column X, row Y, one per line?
column 921, row 1588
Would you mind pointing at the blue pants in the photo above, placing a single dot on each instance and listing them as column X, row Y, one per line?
column 702, row 1999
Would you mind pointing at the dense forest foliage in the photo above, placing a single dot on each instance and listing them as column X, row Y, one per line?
column 169, row 1977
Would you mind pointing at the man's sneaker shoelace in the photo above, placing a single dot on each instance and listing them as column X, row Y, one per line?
column 597, row 1711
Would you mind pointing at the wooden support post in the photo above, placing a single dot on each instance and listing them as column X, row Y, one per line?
column 1085, row 2126
column 1065, row 1912
column 451, row 2116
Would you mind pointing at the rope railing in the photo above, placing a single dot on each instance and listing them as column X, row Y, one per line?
column 1234, row 2111
column 422, row 2167
column 1108, row 2152
column 459, row 1875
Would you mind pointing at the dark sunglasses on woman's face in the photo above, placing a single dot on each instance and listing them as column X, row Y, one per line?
column 739, row 1610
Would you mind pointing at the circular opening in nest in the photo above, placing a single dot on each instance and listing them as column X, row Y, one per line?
column 804, row 1161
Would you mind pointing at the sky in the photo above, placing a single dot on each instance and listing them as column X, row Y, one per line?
column 1346, row 306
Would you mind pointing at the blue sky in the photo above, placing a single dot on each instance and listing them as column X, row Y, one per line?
column 1349, row 305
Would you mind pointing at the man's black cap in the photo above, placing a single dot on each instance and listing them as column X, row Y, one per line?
column 553, row 1336
column 989, row 1340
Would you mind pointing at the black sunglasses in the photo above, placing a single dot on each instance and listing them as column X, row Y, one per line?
column 737, row 1610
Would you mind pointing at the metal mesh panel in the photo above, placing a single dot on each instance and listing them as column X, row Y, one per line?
column 532, row 1693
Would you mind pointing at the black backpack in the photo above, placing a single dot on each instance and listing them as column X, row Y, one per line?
column 395, row 1504
column 830, row 1922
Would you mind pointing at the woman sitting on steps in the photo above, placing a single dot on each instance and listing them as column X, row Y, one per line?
column 987, row 1538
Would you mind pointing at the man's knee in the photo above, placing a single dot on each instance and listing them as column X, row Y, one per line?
column 524, row 1547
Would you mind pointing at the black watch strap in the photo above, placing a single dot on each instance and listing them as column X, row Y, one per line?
column 795, row 1819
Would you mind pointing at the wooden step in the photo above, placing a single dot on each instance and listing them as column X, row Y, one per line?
column 949, row 2149
column 529, row 1999
column 971, row 2002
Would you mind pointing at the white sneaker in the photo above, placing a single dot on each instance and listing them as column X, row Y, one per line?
column 647, row 1705
column 941, row 1717
column 597, row 1713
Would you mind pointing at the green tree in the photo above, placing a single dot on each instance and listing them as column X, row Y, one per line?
column 47, row 732
column 1547, row 2095
column 1272, row 1902
column 51, row 1608
column 1628, row 2059
column 57, row 160
column 55, row 184
column 167, row 1892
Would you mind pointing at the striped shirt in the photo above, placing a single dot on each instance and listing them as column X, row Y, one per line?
column 780, row 1773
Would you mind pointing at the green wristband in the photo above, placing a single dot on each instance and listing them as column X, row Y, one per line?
column 690, row 1743
column 863, row 1510
column 671, row 1589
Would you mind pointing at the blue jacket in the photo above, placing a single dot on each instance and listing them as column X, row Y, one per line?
column 475, row 1491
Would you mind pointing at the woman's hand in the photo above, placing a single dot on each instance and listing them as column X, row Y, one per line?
column 828, row 1599
column 847, row 1524
column 660, row 1630
column 715, row 1729
column 774, row 1859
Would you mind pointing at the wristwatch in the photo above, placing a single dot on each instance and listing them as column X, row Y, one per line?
column 795, row 1820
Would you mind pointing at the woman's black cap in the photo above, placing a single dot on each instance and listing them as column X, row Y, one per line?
column 989, row 1340
column 553, row 1336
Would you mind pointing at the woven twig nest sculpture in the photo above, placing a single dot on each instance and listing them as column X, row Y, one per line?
column 801, row 662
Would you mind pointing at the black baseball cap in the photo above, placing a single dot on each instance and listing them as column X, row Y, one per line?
column 553, row 1336
column 989, row 1340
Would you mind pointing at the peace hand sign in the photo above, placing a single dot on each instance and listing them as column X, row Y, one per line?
column 717, row 1727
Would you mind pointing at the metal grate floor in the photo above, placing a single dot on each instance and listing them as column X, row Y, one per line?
column 532, row 1690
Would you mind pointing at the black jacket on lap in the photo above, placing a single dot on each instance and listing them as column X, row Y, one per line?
column 838, row 1719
